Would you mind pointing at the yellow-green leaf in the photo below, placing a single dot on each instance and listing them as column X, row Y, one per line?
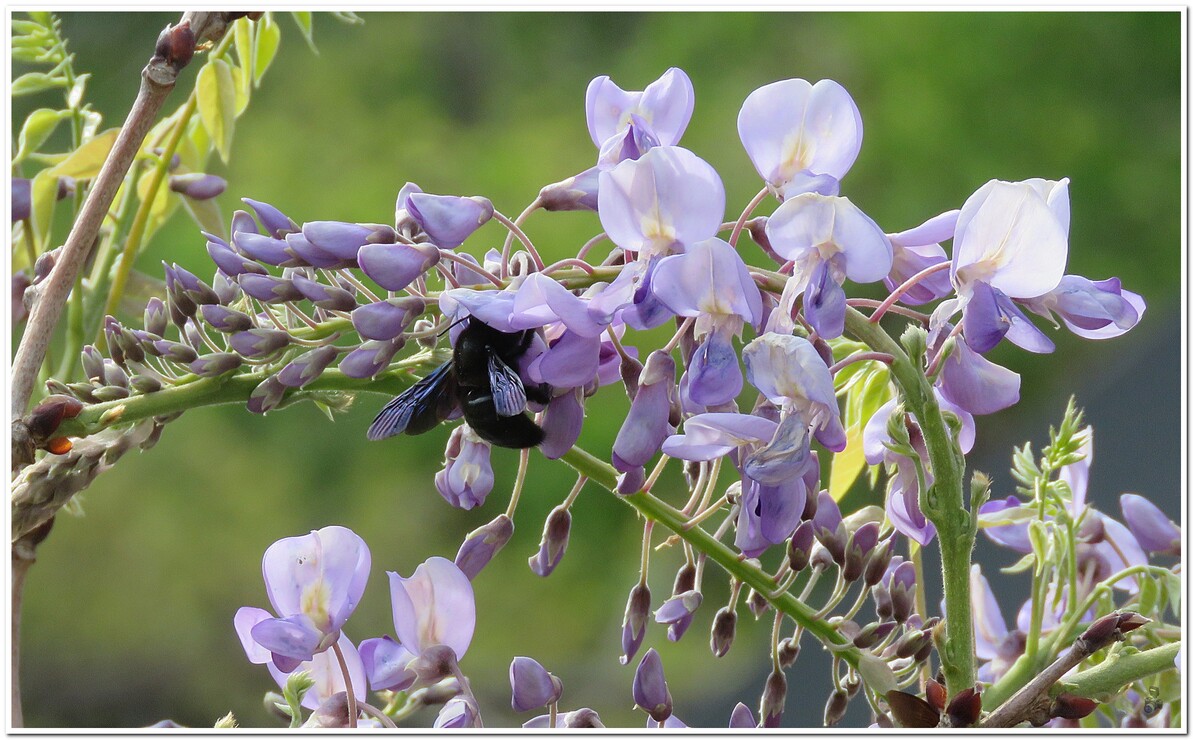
column 243, row 32
column 84, row 163
column 34, row 82
column 206, row 213
column 269, row 37
column 38, row 127
column 303, row 19
column 847, row 464
column 868, row 391
column 216, row 89
column 44, row 194
column 158, row 207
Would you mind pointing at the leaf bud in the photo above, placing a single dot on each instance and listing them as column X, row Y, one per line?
column 724, row 627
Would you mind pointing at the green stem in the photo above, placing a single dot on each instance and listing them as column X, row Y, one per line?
column 943, row 504
column 1109, row 677
column 74, row 331
column 603, row 474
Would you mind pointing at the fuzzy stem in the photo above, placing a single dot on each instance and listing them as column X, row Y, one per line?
column 655, row 510
column 1108, row 677
column 943, row 504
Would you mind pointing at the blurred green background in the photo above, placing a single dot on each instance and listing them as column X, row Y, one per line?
column 128, row 614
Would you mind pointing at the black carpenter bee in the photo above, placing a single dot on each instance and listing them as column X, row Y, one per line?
column 481, row 381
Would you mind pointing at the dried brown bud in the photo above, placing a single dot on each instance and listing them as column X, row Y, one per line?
column 965, row 708
column 1069, row 706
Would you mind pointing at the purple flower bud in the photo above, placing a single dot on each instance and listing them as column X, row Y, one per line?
column 873, row 633
column 562, row 423
column 482, row 544
column 385, row 664
column 332, row 713
column 22, row 198
column 337, row 238
column 724, row 627
column 307, row 366
column 93, row 363
column 156, row 316
column 262, row 248
column 633, row 627
column 275, row 222
column 1155, row 532
column 198, row 186
column 458, row 713
column 386, row 319
column 877, row 564
column 774, row 698
column 230, row 262
column 255, row 343
column 395, row 266
column 650, row 687
column 269, row 289
column 226, row 319
column 532, row 685
column 447, row 219
column 576, row 193
column 799, row 548
column 829, row 528
column 647, row 423
column 218, row 363
column 266, row 396
column 370, row 358
column 901, row 585
column 330, row 297
column 554, row 542
column 857, row 552
column 834, row 708
column 467, row 475
column 173, row 351
column 112, row 374
column 742, row 718
column 883, row 608
column 194, row 288
column 677, row 613
column 301, row 249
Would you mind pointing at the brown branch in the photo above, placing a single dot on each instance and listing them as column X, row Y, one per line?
column 175, row 47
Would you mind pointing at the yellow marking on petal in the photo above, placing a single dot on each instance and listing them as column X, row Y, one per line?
column 314, row 600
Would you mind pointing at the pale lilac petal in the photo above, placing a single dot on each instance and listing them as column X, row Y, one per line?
column 667, row 198
column 492, row 307
column 714, row 374
column 647, row 424
column 824, row 303
column 666, row 104
column 712, row 435
column 293, row 637
column 821, row 227
column 990, row 628
column 933, row 231
column 395, row 266
column 990, row 315
column 540, row 300
column 903, row 509
column 1009, row 237
column 385, row 664
column 1154, row 531
column 327, row 674
column 911, row 260
column 448, row 219
column 1011, row 535
column 246, row 618
column 571, row 362
column 975, row 384
column 321, row 574
column 434, row 606
column 791, row 126
column 709, row 278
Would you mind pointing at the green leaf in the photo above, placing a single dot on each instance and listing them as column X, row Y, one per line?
column 269, row 37
column 297, row 685
column 34, row 82
column 243, row 35
column 217, row 104
column 1019, row 566
column 85, row 162
column 44, row 193
column 38, row 127
column 206, row 213
column 865, row 396
column 74, row 98
column 303, row 19
column 158, row 207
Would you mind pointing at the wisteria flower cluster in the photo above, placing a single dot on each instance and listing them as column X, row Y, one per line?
column 771, row 373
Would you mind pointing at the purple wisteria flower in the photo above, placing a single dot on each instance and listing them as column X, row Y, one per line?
column 1092, row 309
column 324, row 668
column 1154, row 531
column 314, row 583
column 792, row 375
column 446, row 219
column 386, row 664
column 467, row 475
column 828, row 239
column 531, row 685
column 975, row 384
column 665, row 106
column 434, row 606
column 710, row 283
column 650, row 687
column 916, row 250
column 801, row 137
column 995, row 647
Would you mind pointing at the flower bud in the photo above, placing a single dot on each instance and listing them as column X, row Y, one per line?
column 724, row 627
column 145, row 383
column 113, row 374
column 531, row 685
column 447, row 219
column 269, row 289
column 192, row 287
column 230, row 262
column 582, row 718
column 1155, row 532
column 1072, row 707
column 338, row 238
column 256, row 343
column 330, row 297
column 788, row 652
column 225, row 287
column 467, row 475
column 266, row 396
column 757, row 603
column 370, row 358
column 877, row 565
column 554, row 542
column 263, row 248
column 307, row 366
column 873, row 633
column 774, row 697
column 576, row 193
column 22, row 198
column 458, row 713
column 911, row 643
column 630, row 370
column 197, row 185
column 965, row 708
column 834, row 708
column 275, row 222
column 110, row 393
column 216, row 364
column 742, row 718
column 677, row 612
column 829, row 527
column 172, row 351
column 857, row 552
column 482, row 544
column 799, row 547
column 650, row 687
column 902, row 589
column 434, row 664
column 47, row 416
column 331, row 714
column 647, row 423
column 227, row 320
column 633, row 626
column 93, row 363
column 386, row 319
column 156, row 316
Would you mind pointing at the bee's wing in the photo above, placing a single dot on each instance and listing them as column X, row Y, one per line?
column 419, row 408
column 509, row 395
